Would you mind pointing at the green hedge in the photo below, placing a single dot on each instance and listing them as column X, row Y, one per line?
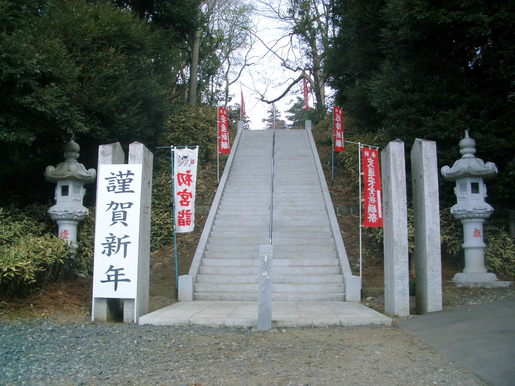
column 29, row 254
column 30, row 262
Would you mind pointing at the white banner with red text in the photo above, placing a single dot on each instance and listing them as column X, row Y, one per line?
column 373, row 211
column 184, row 181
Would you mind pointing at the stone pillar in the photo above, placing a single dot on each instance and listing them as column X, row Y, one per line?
column 395, row 215
column 139, row 154
column 428, row 259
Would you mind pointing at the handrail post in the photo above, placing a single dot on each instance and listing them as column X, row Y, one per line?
column 265, row 288
column 271, row 222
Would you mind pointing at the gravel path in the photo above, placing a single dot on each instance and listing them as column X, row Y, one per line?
column 43, row 352
column 64, row 350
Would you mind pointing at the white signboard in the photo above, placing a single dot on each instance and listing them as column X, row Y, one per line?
column 185, row 179
column 117, row 221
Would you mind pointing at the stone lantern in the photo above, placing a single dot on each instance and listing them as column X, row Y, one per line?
column 70, row 177
column 471, row 209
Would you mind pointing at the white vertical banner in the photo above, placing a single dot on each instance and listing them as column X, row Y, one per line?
column 117, row 225
column 184, row 180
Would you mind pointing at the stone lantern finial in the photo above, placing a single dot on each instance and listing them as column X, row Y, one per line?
column 467, row 146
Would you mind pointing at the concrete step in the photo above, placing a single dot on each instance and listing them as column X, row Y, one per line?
column 302, row 262
column 223, row 220
column 235, row 227
column 276, row 278
column 279, row 262
column 295, row 252
column 301, row 232
column 300, row 222
column 257, row 203
column 244, row 240
column 224, row 254
column 298, row 288
column 250, row 195
column 229, row 262
column 244, row 212
column 301, row 249
column 283, row 228
column 277, row 269
column 234, row 248
column 243, row 233
column 285, row 297
column 302, row 240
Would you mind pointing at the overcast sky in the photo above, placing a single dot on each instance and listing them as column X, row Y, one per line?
column 267, row 76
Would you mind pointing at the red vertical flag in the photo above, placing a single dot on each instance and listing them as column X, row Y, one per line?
column 306, row 95
column 373, row 210
column 224, row 146
column 338, row 129
column 242, row 106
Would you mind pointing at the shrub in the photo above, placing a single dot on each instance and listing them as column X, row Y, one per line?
column 500, row 251
column 30, row 255
column 82, row 261
column 193, row 125
column 161, row 230
column 30, row 262
column 14, row 224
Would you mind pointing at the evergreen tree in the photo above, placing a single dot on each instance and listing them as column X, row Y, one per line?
column 355, row 56
column 69, row 69
column 273, row 119
column 431, row 70
column 297, row 115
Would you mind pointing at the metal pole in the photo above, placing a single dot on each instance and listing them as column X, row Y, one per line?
column 175, row 253
column 332, row 150
column 217, row 146
column 360, row 216
column 270, row 225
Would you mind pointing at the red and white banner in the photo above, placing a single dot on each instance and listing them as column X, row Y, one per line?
column 306, row 95
column 224, row 146
column 242, row 107
column 184, row 182
column 338, row 129
column 373, row 211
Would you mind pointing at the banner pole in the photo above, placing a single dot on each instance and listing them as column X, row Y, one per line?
column 360, row 216
column 175, row 253
column 217, row 145
column 332, row 151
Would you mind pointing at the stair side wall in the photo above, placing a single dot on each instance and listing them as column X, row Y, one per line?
column 352, row 283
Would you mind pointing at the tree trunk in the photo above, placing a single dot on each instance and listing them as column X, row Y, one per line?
column 192, row 96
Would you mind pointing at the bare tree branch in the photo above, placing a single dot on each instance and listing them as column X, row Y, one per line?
column 293, row 83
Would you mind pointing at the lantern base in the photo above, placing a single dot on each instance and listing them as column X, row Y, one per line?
column 485, row 280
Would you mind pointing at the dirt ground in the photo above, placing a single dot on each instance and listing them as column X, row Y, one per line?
column 70, row 300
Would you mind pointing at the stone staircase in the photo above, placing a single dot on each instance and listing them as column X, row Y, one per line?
column 306, row 266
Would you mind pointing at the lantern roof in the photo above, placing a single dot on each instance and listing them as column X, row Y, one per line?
column 469, row 165
column 70, row 169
